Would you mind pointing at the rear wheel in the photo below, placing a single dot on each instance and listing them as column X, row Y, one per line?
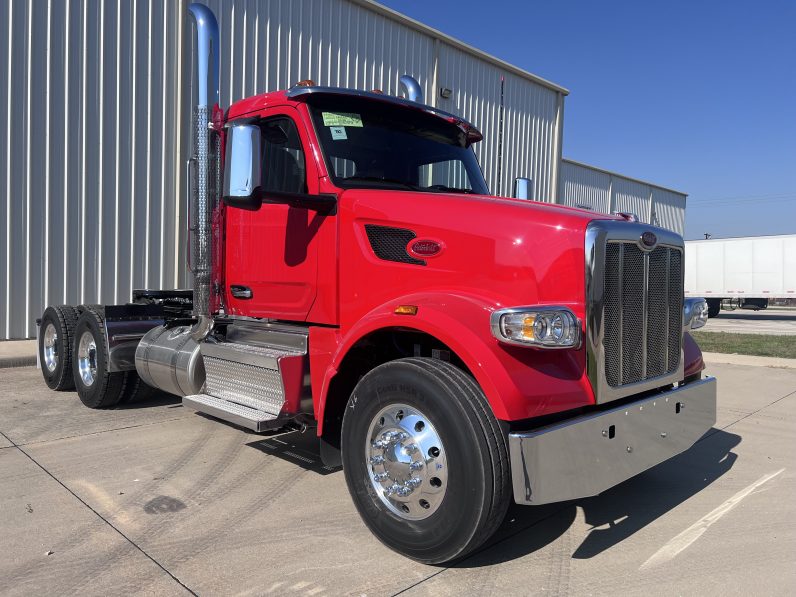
column 55, row 346
column 425, row 460
column 96, row 386
column 136, row 390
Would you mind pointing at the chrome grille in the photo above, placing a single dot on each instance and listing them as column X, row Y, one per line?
column 642, row 312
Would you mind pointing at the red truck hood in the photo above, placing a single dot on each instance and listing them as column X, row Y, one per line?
column 517, row 251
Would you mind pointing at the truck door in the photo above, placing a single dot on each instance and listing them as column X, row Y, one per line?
column 271, row 254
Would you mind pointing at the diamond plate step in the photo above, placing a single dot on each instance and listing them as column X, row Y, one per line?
column 250, row 418
column 266, row 378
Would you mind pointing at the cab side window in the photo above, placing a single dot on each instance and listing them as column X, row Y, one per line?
column 284, row 167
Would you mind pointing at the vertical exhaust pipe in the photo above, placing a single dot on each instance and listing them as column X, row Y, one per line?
column 206, row 156
column 411, row 88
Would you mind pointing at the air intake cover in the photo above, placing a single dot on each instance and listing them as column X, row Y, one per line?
column 390, row 243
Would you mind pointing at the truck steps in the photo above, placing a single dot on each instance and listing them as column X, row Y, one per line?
column 245, row 416
column 256, row 379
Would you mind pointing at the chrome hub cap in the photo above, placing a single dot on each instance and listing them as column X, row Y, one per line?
column 406, row 462
column 50, row 343
column 87, row 358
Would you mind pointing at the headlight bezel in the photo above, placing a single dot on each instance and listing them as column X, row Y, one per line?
column 695, row 313
column 570, row 324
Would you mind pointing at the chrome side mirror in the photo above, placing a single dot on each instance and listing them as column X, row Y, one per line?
column 695, row 313
column 523, row 188
column 242, row 167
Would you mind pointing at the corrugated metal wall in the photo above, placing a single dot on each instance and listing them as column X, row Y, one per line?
column 531, row 121
column 593, row 188
column 99, row 122
column 89, row 159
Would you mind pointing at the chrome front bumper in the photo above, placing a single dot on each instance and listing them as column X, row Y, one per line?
column 586, row 455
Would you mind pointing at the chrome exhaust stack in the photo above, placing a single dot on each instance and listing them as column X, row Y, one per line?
column 411, row 89
column 205, row 187
column 169, row 358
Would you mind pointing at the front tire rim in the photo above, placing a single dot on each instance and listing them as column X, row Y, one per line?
column 87, row 358
column 50, row 343
column 406, row 462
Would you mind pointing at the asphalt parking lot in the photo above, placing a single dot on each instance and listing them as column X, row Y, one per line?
column 744, row 321
column 156, row 499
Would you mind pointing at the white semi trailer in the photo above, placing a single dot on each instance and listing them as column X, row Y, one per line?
column 747, row 271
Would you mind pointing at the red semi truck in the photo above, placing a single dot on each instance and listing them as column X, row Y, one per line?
column 454, row 350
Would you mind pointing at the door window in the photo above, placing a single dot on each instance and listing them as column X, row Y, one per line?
column 284, row 168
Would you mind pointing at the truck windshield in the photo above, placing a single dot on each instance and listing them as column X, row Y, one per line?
column 373, row 144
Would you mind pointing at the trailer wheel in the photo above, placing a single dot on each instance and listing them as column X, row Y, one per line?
column 96, row 386
column 714, row 307
column 55, row 346
column 425, row 460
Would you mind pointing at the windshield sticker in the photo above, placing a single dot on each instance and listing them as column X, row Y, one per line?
column 341, row 119
column 338, row 133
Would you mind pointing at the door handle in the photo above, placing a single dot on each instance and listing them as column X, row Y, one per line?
column 241, row 292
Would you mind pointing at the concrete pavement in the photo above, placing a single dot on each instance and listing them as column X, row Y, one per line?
column 17, row 353
column 778, row 322
column 159, row 500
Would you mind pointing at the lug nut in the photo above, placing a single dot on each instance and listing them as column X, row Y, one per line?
column 410, row 449
column 378, row 445
column 392, row 489
column 414, row 482
column 404, row 491
column 379, row 477
column 377, row 459
column 416, row 465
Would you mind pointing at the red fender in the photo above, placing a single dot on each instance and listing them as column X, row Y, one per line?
column 519, row 382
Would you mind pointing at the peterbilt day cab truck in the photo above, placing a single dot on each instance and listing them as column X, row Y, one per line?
column 453, row 350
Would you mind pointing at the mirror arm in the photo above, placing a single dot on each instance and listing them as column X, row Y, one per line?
column 325, row 202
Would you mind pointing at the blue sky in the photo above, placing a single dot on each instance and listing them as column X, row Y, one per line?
column 696, row 95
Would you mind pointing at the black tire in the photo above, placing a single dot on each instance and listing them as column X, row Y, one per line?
column 101, row 388
column 136, row 390
column 62, row 318
column 478, row 488
column 714, row 307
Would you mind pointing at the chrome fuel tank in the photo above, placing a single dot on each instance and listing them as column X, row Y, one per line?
column 169, row 359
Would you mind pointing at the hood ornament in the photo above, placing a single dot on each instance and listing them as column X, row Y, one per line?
column 648, row 240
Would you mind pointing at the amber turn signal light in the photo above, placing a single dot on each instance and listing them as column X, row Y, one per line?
column 406, row 310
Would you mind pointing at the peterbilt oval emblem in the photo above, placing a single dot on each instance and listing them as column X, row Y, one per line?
column 424, row 247
column 649, row 240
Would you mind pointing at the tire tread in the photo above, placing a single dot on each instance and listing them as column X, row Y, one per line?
column 496, row 440
column 66, row 316
column 111, row 386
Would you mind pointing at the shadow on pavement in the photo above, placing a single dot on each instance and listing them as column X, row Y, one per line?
column 619, row 512
column 755, row 316
column 298, row 448
column 158, row 398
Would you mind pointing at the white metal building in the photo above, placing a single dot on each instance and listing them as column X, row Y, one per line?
column 600, row 190
column 99, row 106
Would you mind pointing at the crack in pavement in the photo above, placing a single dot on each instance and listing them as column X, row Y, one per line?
column 102, row 518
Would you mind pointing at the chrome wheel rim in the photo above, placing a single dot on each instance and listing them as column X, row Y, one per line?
column 50, row 343
column 87, row 358
column 406, row 462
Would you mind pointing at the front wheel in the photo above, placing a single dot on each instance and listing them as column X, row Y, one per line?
column 425, row 460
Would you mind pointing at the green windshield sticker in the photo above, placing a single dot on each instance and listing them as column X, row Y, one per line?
column 341, row 119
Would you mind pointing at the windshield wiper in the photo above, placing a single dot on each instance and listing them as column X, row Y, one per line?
column 393, row 181
column 445, row 189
